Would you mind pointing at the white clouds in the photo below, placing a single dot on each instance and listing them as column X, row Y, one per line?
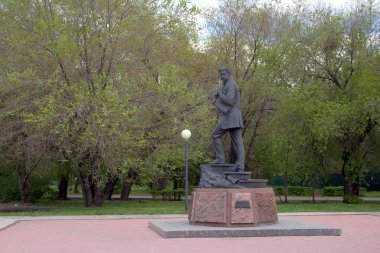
column 205, row 3
column 332, row 3
column 335, row 4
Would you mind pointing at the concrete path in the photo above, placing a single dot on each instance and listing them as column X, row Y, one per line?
column 121, row 233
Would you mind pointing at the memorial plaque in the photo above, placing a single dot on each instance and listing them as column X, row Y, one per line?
column 242, row 204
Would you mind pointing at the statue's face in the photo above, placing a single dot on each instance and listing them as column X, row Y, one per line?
column 224, row 76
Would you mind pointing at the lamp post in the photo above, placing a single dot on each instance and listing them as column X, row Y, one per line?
column 186, row 134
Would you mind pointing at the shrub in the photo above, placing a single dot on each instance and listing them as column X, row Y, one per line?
column 9, row 189
column 278, row 190
column 338, row 191
column 40, row 188
column 300, row 191
column 294, row 190
column 51, row 193
column 352, row 200
column 332, row 191
column 175, row 195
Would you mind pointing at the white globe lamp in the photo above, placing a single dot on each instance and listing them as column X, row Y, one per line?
column 185, row 134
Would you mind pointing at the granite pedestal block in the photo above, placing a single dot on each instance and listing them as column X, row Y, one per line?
column 233, row 207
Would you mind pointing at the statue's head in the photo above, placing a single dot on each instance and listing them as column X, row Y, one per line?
column 224, row 74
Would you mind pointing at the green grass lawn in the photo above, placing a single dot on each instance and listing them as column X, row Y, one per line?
column 75, row 207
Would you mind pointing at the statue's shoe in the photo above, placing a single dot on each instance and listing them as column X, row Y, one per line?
column 239, row 169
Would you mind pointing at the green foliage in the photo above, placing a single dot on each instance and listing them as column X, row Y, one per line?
column 278, row 190
column 165, row 166
column 338, row 191
column 9, row 189
column 294, row 191
column 41, row 189
column 332, row 191
column 172, row 195
column 40, row 186
column 109, row 79
column 51, row 193
column 107, row 87
column 327, row 116
column 352, row 200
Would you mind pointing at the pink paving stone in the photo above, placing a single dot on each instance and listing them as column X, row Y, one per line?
column 360, row 233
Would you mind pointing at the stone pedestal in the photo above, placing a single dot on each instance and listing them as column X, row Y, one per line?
column 233, row 207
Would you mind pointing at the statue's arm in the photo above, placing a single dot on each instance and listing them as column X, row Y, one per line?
column 230, row 98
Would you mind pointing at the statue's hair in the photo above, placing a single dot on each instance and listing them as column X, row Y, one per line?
column 225, row 69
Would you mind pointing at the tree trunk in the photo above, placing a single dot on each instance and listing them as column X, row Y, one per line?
column 161, row 183
column 314, row 186
column 97, row 195
column 92, row 195
column 62, row 187
column 24, row 184
column 86, row 191
column 126, row 190
column 285, row 181
column 127, row 185
column 175, row 183
column 350, row 179
column 108, row 189
column 350, row 172
column 351, row 189
column 286, row 176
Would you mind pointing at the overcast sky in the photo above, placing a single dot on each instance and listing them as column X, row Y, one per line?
column 333, row 3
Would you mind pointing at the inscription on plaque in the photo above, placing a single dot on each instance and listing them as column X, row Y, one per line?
column 242, row 204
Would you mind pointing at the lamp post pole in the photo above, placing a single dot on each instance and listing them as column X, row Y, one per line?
column 186, row 136
column 186, row 175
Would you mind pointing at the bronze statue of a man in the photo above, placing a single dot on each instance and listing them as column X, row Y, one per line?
column 227, row 100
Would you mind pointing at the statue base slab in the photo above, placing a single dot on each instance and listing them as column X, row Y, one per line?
column 285, row 227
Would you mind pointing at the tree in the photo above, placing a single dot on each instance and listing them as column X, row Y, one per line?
column 340, row 51
column 23, row 146
column 92, row 65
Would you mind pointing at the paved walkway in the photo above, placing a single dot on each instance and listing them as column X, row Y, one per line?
column 125, row 233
